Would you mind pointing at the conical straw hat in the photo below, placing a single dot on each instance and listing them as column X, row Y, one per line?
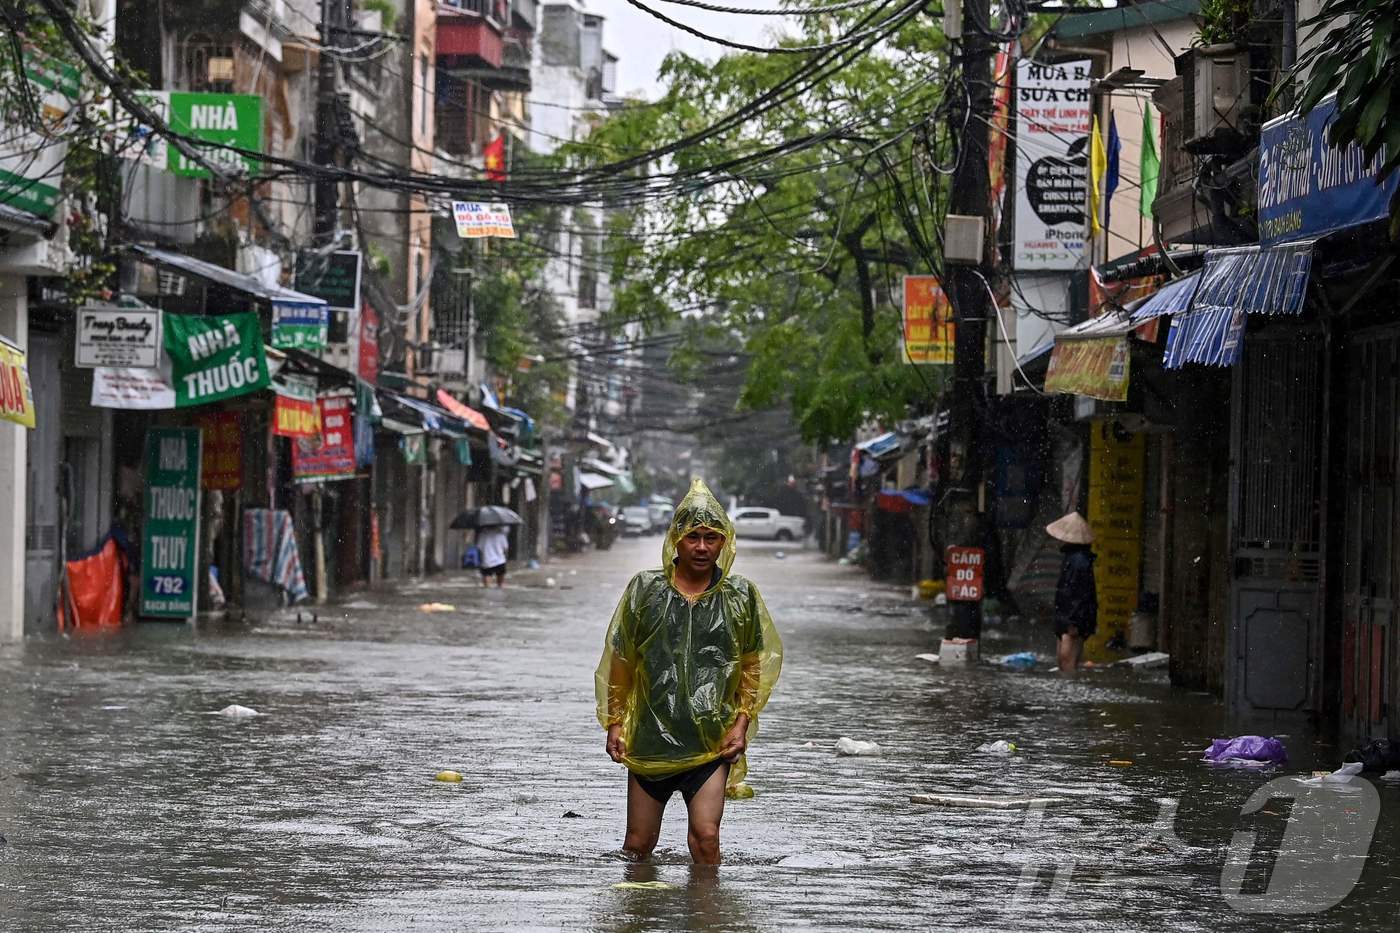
column 1072, row 529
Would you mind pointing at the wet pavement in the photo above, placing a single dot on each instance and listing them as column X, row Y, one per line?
column 126, row 805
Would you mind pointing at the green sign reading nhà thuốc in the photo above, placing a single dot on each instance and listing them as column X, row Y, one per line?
column 229, row 119
column 170, row 533
column 215, row 356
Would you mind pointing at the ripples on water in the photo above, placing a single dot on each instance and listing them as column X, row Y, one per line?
column 127, row 807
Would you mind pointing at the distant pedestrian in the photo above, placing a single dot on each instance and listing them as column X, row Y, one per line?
column 1076, row 600
column 494, row 544
column 690, row 658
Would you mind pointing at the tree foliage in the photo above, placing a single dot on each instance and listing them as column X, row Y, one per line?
column 797, row 251
column 1357, row 55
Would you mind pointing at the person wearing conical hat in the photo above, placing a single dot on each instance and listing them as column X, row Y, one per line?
column 690, row 659
column 1076, row 599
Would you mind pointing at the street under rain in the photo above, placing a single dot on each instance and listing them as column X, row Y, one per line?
column 127, row 804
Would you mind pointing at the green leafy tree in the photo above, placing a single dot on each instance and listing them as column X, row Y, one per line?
column 1357, row 55
column 796, row 248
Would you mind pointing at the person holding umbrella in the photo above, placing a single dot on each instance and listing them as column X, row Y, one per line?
column 492, row 524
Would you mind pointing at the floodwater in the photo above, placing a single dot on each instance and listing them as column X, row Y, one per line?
column 127, row 806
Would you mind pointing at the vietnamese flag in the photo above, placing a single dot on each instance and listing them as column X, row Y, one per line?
column 494, row 158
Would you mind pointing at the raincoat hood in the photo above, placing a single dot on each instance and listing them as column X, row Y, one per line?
column 699, row 509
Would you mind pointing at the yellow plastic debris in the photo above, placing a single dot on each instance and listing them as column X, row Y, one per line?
column 739, row 792
column 437, row 607
column 448, row 777
column 928, row 589
column 644, row 886
column 677, row 674
column 1120, row 762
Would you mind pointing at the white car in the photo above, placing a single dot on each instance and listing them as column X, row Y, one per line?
column 635, row 520
column 754, row 522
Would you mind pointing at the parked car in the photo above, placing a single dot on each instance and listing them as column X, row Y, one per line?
column 753, row 522
column 635, row 520
column 659, row 510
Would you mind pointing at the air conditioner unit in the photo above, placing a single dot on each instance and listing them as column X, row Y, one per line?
column 1216, row 95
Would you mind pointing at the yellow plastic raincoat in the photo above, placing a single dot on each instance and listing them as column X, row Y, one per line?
column 676, row 674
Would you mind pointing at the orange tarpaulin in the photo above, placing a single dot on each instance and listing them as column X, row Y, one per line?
column 96, row 589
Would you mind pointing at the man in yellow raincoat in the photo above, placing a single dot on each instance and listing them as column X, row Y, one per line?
column 690, row 659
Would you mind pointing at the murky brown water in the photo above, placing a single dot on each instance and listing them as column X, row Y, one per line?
column 127, row 806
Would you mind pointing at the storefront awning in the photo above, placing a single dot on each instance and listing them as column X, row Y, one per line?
column 1092, row 358
column 400, row 427
column 1172, row 298
column 252, row 285
column 468, row 414
column 1235, row 283
column 593, row 481
column 1256, row 280
column 882, row 446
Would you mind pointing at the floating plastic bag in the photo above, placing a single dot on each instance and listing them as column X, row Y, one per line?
column 1020, row 661
column 851, row 748
column 1246, row 751
column 999, row 747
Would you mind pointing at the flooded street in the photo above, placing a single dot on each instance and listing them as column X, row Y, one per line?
column 126, row 805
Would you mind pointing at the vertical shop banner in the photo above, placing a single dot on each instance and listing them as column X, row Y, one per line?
column 368, row 363
column 299, row 326
column 1116, row 502
column 215, row 357
column 332, row 455
column 295, row 412
column 16, row 394
column 1052, row 158
column 929, row 331
column 170, row 531
column 223, row 450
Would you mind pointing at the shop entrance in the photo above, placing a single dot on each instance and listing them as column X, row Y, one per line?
column 1274, row 660
column 1369, row 661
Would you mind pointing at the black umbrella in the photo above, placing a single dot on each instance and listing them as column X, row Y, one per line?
column 487, row 516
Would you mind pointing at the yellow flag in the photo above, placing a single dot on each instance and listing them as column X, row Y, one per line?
column 1098, row 164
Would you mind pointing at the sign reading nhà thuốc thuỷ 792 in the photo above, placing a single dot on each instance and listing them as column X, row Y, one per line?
column 170, row 532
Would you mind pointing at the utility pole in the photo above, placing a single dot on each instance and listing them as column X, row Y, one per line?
column 972, row 308
column 327, row 124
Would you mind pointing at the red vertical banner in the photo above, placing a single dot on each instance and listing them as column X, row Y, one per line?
column 223, row 450
column 966, row 572
column 368, row 366
column 332, row 455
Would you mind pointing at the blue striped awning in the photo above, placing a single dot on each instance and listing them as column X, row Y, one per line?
column 1172, row 298
column 1234, row 284
column 1256, row 280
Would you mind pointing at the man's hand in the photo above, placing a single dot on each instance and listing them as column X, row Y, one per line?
column 736, row 740
column 615, row 746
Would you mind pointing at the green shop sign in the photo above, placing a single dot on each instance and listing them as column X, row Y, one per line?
column 170, row 534
column 230, row 119
column 215, row 357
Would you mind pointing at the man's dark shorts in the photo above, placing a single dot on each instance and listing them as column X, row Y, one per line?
column 687, row 782
column 499, row 572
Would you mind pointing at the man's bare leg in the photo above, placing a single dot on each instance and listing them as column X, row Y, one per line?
column 643, row 821
column 1069, row 649
column 706, row 809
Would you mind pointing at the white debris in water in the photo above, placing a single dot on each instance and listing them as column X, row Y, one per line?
column 854, row 748
column 999, row 747
column 360, row 604
column 551, row 582
column 1146, row 662
column 930, row 658
column 984, row 803
column 114, row 708
column 234, row 711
